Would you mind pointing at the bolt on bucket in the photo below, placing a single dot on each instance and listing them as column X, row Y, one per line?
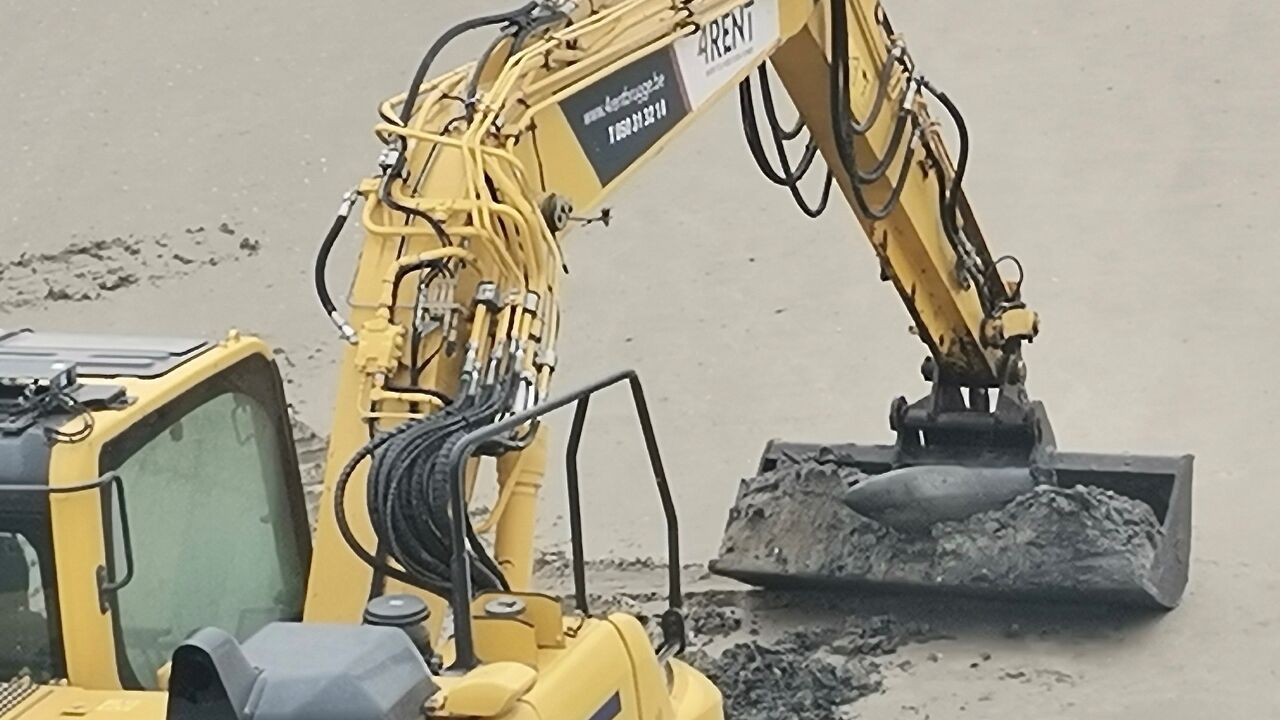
column 972, row 516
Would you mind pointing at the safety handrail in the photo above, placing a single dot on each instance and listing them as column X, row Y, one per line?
column 460, row 600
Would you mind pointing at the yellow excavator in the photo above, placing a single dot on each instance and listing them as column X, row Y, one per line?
column 155, row 554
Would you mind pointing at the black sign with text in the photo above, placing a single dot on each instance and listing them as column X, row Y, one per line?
column 619, row 118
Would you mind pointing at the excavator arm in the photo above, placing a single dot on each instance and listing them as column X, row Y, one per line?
column 454, row 307
column 488, row 167
column 885, row 149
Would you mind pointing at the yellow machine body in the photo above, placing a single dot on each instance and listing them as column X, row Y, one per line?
column 83, row 514
column 453, row 316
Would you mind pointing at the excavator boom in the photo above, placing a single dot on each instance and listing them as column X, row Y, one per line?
column 489, row 167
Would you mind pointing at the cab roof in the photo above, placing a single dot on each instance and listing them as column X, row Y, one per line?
column 33, row 354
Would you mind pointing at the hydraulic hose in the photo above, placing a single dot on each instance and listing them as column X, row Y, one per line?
column 322, row 263
column 384, row 194
column 409, row 486
column 896, row 54
column 344, row 526
column 950, row 215
column 406, row 520
column 779, row 137
column 420, row 75
column 788, row 177
column 841, row 124
column 473, row 83
column 751, row 129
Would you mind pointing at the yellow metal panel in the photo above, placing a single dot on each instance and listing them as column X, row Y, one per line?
column 489, row 691
column 587, row 677
column 505, row 640
column 73, row 703
column 519, row 480
column 693, row 696
column 649, row 677
column 543, row 612
column 338, row 585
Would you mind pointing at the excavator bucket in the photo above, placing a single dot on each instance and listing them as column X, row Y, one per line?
column 966, row 502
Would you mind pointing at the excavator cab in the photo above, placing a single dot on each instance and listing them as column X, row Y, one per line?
column 154, row 537
column 148, row 487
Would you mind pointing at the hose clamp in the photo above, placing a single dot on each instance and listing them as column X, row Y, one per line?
column 348, row 202
column 487, row 295
column 545, row 359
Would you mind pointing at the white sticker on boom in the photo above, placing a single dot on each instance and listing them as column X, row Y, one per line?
column 725, row 46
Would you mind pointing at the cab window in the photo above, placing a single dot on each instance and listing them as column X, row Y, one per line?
column 216, row 519
column 26, row 647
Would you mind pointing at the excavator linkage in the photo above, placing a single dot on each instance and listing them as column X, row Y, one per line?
column 968, row 501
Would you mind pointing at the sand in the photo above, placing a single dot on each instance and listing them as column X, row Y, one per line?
column 88, row 271
column 1122, row 150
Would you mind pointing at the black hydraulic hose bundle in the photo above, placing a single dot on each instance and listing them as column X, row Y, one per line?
column 788, row 177
column 845, row 128
column 407, row 496
column 950, row 195
column 746, row 103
